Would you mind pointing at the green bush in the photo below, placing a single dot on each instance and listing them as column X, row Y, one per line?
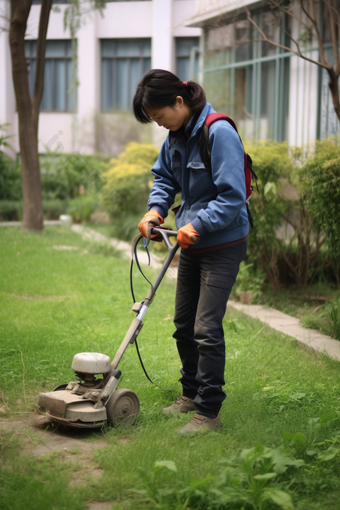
column 128, row 180
column 10, row 179
column 82, row 207
column 269, row 207
column 10, row 174
column 66, row 176
column 52, row 209
column 249, row 281
column 10, row 210
column 321, row 186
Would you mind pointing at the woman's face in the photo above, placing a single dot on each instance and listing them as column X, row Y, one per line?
column 171, row 117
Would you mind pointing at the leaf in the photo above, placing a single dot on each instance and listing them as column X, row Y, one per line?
column 168, row 464
column 287, row 436
column 266, row 476
column 195, row 484
column 299, row 437
column 270, row 189
column 328, row 454
column 312, row 452
column 281, row 498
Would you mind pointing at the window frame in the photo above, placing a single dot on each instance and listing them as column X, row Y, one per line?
column 114, row 58
column 67, row 58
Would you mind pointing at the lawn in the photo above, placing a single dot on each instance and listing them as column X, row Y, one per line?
column 280, row 443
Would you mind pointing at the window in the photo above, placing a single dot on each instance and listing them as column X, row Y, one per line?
column 124, row 61
column 187, row 49
column 249, row 79
column 58, row 75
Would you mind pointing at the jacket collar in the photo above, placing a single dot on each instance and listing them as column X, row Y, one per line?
column 198, row 123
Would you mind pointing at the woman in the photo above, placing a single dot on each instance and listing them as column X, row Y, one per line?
column 212, row 225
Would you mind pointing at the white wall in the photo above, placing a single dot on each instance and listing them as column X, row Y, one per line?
column 161, row 20
column 125, row 19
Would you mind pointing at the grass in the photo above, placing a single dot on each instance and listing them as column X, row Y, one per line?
column 57, row 302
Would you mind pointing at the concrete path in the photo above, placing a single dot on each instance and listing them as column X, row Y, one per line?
column 310, row 338
column 18, row 223
column 124, row 247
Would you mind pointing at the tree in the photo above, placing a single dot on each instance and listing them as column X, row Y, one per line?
column 315, row 28
column 28, row 107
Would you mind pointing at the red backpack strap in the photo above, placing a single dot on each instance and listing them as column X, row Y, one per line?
column 203, row 141
column 213, row 117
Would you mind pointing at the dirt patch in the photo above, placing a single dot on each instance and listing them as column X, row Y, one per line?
column 47, row 439
column 99, row 505
column 41, row 438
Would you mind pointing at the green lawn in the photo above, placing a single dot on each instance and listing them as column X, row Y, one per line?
column 280, row 443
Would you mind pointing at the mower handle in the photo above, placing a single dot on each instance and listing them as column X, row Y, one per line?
column 165, row 233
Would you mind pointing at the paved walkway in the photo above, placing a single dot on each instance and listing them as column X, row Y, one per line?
column 279, row 321
column 310, row 338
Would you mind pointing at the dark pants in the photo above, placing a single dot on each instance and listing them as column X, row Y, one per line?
column 204, row 284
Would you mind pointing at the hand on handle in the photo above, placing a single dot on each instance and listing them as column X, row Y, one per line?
column 151, row 219
column 187, row 235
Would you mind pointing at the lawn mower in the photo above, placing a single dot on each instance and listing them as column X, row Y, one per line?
column 94, row 400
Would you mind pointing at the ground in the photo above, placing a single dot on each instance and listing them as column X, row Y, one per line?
column 71, row 442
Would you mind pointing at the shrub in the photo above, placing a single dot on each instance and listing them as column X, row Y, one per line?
column 128, row 180
column 10, row 174
column 52, row 209
column 10, row 210
column 65, row 176
column 269, row 207
column 82, row 207
column 321, row 186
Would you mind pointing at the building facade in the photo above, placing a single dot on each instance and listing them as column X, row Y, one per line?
column 90, row 81
column 271, row 93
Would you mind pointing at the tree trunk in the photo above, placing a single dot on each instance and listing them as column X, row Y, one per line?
column 334, row 88
column 28, row 110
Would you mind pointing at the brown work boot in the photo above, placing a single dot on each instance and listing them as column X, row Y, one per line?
column 182, row 405
column 201, row 423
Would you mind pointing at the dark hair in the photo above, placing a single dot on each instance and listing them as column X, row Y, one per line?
column 159, row 88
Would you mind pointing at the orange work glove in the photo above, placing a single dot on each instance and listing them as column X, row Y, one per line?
column 151, row 219
column 187, row 235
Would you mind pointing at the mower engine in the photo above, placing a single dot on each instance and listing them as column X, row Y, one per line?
column 91, row 401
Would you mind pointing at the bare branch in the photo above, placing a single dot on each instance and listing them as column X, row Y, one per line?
column 288, row 10
column 326, row 65
column 316, row 28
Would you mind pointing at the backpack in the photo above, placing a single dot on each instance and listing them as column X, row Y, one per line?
column 205, row 153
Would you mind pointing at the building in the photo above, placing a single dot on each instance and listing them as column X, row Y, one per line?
column 111, row 52
column 271, row 93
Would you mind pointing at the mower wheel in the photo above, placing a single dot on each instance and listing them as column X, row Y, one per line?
column 122, row 407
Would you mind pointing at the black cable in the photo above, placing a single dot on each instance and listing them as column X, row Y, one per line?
column 134, row 300
column 133, row 297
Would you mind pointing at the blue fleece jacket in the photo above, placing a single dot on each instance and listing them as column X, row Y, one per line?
column 213, row 202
